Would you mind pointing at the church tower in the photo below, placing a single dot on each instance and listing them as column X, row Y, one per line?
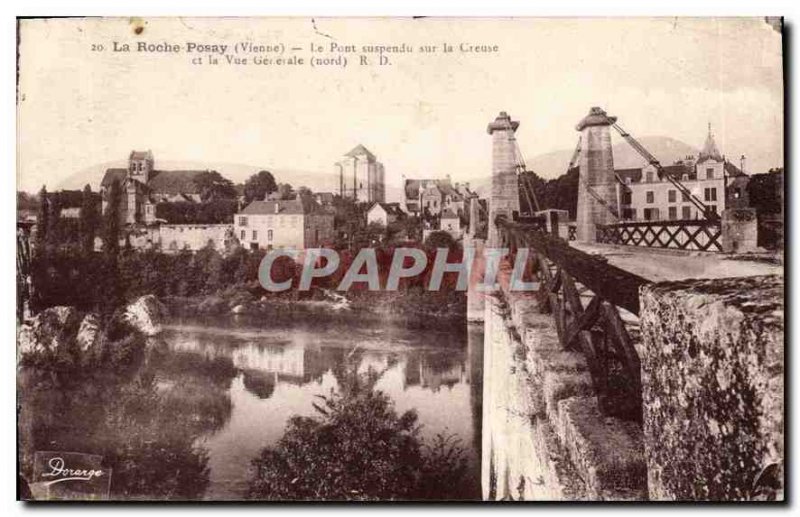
column 140, row 166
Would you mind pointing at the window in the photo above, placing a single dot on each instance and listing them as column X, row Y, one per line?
column 710, row 194
column 713, row 208
column 243, row 236
column 269, row 235
column 685, row 197
column 649, row 176
column 629, row 213
column 627, row 197
column 686, row 212
column 673, row 213
column 650, row 196
column 671, row 196
column 242, row 221
column 650, row 214
column 255, row 235
column 710, row 173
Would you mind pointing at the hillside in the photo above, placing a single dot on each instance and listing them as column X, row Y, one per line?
column 666, row 149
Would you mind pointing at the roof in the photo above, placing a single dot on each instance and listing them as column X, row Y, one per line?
column 449, row 214
column 360, row 150
column 635, row 175
column 326, row 197
column 175, row 182
column 295, row 206
column 733, row 171
column 443, row 185
column 596, row 117
column 389, row 208
column 111, row 175
column 141, row 155
column 162, row 182
column 675, row 171
column 709, row 151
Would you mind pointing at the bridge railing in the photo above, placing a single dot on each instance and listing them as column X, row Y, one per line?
column 685, row 234
column 596, row 330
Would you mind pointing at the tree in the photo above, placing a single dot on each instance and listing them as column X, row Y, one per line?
column 764, row 191
column 259, row 185
column 42, row 220
column 111, row 233
column 88, row 220
column 111, row 290
column 357, row 448
column 304, row 192
column 285, row 191
column 214, row 186
column 440, row 239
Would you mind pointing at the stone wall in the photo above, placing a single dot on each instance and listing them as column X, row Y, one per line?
column 712, row 376
column 544, row 437
column 739, row 230
column 175, row 237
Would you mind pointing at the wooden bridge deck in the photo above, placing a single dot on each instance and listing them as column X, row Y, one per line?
column 668, row 265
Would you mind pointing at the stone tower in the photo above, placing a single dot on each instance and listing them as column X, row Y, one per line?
column 504, row 199
column 361, row 176
column 596, row 172
column 140, row 165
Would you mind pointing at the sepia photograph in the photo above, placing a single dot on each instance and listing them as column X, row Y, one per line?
column 392, row 259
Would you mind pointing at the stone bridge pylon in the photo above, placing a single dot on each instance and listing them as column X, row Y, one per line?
column 597, row 189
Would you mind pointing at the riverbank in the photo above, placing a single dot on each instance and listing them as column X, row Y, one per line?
column 416, row 309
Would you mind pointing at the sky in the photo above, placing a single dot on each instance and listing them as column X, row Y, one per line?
column 423, row 115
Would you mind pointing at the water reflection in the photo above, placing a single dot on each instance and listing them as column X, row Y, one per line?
column 281, row 372
column 207, row 399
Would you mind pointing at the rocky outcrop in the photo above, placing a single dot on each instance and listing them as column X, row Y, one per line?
column 712, row 379
column 49, row 331
column 65, row 329
column 88, row 332
column 146, row 315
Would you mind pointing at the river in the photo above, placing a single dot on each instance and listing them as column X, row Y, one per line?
column 220, row 391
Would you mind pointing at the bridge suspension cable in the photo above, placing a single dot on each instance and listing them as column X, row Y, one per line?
column 527, row 185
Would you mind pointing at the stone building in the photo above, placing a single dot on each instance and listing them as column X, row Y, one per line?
column 435, row 195
column 718, row 183
column 361, row 176
column 450, row 222
column 295, row 224
column 143, row 186
column 384, row 213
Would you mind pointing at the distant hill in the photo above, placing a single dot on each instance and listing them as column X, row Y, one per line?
column 554, row 164
column 666, row 149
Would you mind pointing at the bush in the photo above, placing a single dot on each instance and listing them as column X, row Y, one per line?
column 357, row 448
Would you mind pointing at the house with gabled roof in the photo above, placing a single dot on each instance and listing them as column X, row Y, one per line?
column 298, row 223
column 718, row 183
column 432, row 196
column 384, row 213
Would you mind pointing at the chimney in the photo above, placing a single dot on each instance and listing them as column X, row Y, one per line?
column 742, row 162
